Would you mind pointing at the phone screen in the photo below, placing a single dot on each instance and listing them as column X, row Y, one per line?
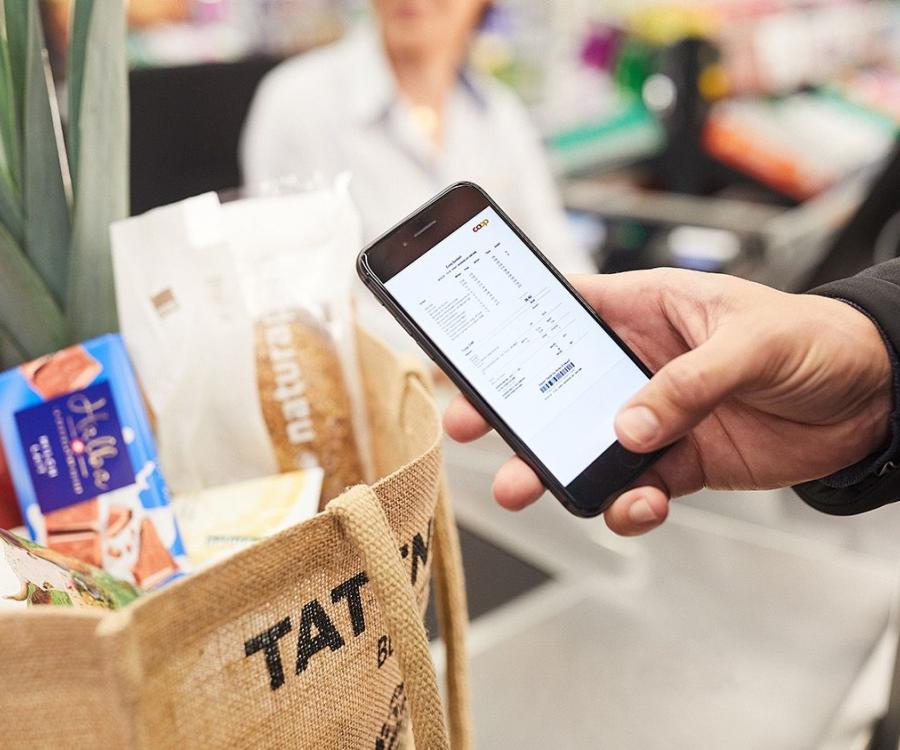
column 522, row 340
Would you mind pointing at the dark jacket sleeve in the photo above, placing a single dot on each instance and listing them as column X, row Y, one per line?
column 874, row 481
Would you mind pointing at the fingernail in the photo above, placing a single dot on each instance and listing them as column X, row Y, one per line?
column 638, row 423
column 641, row 513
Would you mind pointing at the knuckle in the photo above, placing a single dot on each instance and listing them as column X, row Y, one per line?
column 683, row 383
column 668, row 277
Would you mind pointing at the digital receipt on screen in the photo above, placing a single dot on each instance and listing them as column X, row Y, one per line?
column 522, row 340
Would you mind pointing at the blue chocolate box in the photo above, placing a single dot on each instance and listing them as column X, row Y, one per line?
column 83, row 462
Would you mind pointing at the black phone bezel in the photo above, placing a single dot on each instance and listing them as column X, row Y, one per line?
column 592, row 491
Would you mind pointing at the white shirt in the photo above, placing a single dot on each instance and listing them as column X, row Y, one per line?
column 338, row 108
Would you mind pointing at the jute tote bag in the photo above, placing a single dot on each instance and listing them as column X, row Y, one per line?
column 310, row 639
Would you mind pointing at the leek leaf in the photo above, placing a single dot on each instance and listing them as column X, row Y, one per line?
column 81, row 19
column 32, row 321
column 102, row 170
column 47, row 223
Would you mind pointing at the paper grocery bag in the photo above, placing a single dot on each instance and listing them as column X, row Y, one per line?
column 310, row 639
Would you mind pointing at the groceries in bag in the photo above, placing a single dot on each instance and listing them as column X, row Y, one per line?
column 239, row 320
column 82, row 462
column 10, row 517
column 32, row 575
column 218, row 522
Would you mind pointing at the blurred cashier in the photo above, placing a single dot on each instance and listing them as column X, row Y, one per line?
column 398, row 109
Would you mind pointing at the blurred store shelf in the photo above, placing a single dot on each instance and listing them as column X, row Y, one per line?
column 779, row 245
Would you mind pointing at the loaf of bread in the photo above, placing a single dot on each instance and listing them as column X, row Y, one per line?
column 304, row 400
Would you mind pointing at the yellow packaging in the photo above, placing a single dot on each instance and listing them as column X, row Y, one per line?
column 218, row 522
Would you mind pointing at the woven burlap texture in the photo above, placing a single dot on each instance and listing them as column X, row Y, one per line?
column 310, row 639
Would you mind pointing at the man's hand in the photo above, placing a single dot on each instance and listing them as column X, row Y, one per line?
column 757, row 389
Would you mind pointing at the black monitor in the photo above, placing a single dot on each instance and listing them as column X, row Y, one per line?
column 185, row 128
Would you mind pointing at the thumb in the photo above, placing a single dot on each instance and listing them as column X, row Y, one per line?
column 683, row 393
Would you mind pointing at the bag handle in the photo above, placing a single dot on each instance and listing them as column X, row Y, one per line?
column 453, row 618
column 449, row 585
column 362, row 518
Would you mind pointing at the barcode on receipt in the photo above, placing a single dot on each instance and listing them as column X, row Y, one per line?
column 547, row 384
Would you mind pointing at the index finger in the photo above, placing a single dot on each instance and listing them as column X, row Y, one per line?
column 462, row 422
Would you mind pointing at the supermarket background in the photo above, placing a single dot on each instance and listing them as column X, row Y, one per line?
column 756, row 137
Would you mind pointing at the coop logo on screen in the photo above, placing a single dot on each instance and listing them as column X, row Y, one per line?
column 480, row 225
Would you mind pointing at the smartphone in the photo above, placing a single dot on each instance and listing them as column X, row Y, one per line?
column 513, row 335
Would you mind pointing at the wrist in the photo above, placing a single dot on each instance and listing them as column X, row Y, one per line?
column 877, row 352
column 879, row 422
